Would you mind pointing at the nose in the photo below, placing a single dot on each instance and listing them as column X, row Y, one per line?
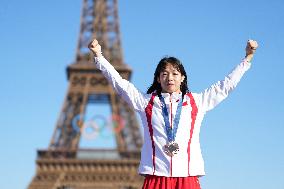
column 170, row 77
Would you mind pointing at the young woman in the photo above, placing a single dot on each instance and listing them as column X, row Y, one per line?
column 171, row 116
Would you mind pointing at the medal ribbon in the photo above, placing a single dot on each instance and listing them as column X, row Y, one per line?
column 171, row 132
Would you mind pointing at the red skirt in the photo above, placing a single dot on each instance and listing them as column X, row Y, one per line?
column 158, row 182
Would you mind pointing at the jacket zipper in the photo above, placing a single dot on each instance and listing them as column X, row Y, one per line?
column 171, row 110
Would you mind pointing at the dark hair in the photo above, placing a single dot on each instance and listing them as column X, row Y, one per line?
column 176, row 63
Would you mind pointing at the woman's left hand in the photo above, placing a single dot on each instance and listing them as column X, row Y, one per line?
column 251, row 47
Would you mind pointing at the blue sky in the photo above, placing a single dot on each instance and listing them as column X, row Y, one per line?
column 242, row 139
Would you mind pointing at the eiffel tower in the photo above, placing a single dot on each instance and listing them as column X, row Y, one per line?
column 65, row 165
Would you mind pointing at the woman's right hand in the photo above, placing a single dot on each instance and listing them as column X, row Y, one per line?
column 95, row 47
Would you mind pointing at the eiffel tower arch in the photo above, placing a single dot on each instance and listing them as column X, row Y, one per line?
column 64, row 165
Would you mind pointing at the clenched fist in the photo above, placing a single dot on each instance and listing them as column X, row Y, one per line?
column 251, row 47
column 95, row 47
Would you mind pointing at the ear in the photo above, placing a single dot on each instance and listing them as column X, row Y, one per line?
column 158, row 80
column 182, row 78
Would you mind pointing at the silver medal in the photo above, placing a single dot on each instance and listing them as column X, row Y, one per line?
column 171, row 149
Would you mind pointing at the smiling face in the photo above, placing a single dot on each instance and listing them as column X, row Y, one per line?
column 170, row 79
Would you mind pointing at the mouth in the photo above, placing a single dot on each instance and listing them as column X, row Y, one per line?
column 170, row 84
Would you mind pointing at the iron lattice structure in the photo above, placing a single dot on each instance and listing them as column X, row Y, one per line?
column 64, row 165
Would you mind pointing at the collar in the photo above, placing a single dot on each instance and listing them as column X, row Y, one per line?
column 173, row 96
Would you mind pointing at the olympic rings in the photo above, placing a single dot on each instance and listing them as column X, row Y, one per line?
column 98, row 125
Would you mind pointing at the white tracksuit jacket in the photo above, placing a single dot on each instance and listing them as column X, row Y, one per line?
column 188, row 161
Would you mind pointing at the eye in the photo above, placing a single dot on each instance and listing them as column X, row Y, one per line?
column 176, row 73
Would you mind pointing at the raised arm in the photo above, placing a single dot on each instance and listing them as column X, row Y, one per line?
column 123, row 87
column 213, row 95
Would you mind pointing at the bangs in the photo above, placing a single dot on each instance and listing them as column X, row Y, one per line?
column 175, row 65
